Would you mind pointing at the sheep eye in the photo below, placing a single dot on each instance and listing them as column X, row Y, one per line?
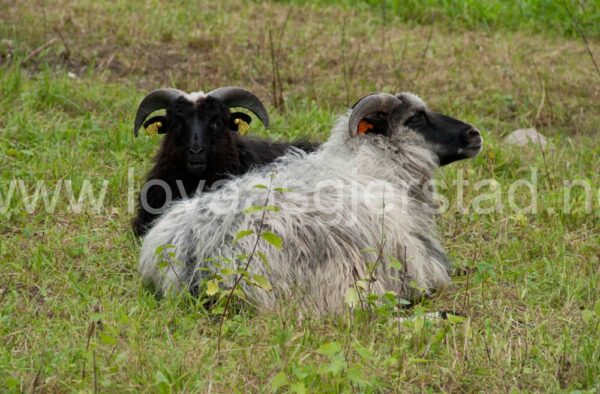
column 416, row 119
column 178, row 111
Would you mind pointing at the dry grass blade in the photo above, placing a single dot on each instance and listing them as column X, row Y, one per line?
column 39, row 50
column 583, row 37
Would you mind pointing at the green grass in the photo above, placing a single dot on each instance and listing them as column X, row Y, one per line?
column 528, row 286
column 547, row 16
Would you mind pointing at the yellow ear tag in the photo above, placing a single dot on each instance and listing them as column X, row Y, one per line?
column 243, row 127
column 152, row 129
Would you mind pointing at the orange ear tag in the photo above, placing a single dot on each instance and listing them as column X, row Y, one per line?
column 364, row 126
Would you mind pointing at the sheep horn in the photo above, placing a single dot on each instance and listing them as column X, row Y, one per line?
column 238, row 97
column 158, row 99
column 374, row 102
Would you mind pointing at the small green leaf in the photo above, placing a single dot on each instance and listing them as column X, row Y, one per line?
column 355, row 375
column 279, row 380
column 12, row 383
column 272, row 238
column 227, row 271
column 124, row 318
column 253, row 209
column 587, row 315
column 107, row 339
column 122, row 358
column 218, row 310
column 298, row 388
column 164, row 386
column 302, row 371
column 260, row 208
column 373, row 297
column 259, row 186
column 389, row 296
column 330, row 348
column 455, row 319
column 419, row 322
column 397, row 264
column 391, row 362
column 82, row 240
column 336, row 364
column 161, row 265
column 239, row 293
column 363, row 351
column 212, row 287
column 161, row 378
column 241, row 234
column 351, row 298
column 162, row 248
column 96, row 316
column 282, row 189
column 262, row 282
column 264, row 259
column 240, row 257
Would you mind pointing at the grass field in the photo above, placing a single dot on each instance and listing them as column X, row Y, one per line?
column 73, row 313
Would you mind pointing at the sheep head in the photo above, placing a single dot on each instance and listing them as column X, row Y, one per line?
column 382, row 113
column 199, row 125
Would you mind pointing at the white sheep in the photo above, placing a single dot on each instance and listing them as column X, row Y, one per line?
column 363, row 189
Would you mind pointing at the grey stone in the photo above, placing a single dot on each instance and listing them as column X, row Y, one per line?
column 522, row 137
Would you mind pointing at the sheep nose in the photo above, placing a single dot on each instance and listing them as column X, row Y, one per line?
column 196, row 150
column 474, row 136
column 473, row 133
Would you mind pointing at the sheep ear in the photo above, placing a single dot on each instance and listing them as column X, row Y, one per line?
column 373, row 107
column 233, row 125
column 373, row 124
column 156, row 124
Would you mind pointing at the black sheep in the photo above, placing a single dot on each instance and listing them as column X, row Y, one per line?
column 202, row 145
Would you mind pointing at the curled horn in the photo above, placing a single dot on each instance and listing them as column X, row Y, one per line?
column 238, row 97
column 374, row 102
column 158, row 99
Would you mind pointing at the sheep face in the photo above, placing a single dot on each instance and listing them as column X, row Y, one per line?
column 200, row 130
column 199, row 126
column 450, row 139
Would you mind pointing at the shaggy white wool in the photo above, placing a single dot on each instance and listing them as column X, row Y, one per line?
column 351, row 195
